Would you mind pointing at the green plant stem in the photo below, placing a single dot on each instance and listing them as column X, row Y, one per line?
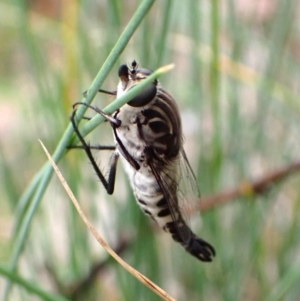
column 283, row 286
column 215, row 88
column 30, row 287
column 65, row 140
column 161, row 49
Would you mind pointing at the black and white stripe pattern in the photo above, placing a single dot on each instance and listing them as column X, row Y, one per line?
column 149, row 140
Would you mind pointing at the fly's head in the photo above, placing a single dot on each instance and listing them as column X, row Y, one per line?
column 131, row 76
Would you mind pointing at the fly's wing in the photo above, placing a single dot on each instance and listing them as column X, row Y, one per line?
column 179, row 187
column 188, row 189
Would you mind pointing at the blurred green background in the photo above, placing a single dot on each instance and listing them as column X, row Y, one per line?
column 236, row 81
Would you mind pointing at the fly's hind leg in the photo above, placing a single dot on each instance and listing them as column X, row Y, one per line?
column 96, row 147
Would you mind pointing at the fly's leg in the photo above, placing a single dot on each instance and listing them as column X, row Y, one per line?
column 96, row 147
column 114, row 93
column 108, row 92
column 115, row 122
column 108, row 184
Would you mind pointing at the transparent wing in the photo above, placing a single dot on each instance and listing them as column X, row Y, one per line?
column 188, row 189
column 179, row 187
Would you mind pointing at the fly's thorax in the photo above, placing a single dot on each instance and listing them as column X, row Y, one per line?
column 129, row 115
column 150, row 123
column 129, row 132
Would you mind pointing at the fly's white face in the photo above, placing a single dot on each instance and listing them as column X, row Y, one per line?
column 120, row 89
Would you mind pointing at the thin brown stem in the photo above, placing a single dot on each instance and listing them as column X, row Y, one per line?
column 248, row 188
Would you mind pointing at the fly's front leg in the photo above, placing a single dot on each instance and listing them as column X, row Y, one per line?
column 114, row 121
column 110, row 182
column 114, row 93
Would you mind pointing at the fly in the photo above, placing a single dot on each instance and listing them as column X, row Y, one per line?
column 148, row 138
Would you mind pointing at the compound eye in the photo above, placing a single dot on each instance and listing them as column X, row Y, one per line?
column 144, row 97
column 123, row 71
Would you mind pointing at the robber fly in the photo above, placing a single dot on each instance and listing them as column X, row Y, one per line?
column 148, row 136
